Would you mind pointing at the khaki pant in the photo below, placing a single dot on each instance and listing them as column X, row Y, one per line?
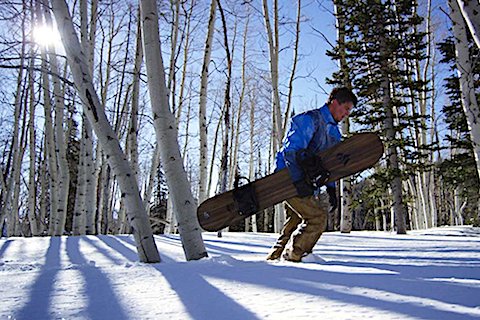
column 306, row 221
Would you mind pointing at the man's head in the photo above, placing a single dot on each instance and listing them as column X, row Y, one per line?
column 340, row 102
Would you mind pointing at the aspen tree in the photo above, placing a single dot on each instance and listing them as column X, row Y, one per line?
column 273, row 45
column 467, row 85
column 241, row 102
column 202, row 116
column 15, row 150
column 223, row 174
column 470, row 10
column 59, row 138
column 167, row 135
column 32, row 185
column 186, row 50
column 14, row 183
column 92, row 205
column 294, row 65
column 345, row 184
column 77, row 61
column 251, row 167
column 54, row 220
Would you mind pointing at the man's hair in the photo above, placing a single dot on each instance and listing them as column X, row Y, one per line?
column 342, row 95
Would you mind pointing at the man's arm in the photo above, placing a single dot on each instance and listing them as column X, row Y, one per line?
column 298, row 137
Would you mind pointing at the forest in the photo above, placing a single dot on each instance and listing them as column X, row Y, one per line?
column 122, row 116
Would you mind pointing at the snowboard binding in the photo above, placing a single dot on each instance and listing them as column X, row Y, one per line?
column 244, row 197
column 315, row 173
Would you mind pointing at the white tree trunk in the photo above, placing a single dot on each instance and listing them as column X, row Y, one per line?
column 151, row 177
column 187, row 35
column 16, row 143
column 251, row 168
column 172, row 226
column 471, row 13
column 79, row 225
column 50, row 151
column 63, row 177
column 294, row 65
column 166, row 131
column 77, row 61
column 459, row 205
column 273, row 46
column 233, row 167
column 32, row 185
column 203, row 191
column 89, row 200
column 467, row 84
column 43, row 193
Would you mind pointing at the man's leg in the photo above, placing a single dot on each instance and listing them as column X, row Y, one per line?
column 293, row 220
column 314, row 214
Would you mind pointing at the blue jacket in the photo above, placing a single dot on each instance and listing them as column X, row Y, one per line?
column 314, row 130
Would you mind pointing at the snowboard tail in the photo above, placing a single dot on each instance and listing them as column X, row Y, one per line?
column 353, row 155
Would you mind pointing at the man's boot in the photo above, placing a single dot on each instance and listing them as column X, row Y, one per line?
column 276, row 253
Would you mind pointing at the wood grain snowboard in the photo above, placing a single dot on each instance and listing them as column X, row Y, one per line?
column 353, row 155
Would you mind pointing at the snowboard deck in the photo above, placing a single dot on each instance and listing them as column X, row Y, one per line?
column 353, row 155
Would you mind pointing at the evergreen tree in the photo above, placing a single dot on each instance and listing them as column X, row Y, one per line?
column 383, row 51
column 459, row 171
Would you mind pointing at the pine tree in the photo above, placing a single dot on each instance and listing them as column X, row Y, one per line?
column 459, row 171
column 382, row 46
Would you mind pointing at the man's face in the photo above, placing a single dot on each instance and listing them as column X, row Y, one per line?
column 340, row 111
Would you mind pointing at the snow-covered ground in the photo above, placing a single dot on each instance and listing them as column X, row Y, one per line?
column 432, row 274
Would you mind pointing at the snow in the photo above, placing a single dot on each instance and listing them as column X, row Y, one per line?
column 430, row 274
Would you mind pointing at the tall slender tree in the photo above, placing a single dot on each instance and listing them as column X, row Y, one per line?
column 202, row 116
column 166, row 132
column 77, row 61
column 467, row 81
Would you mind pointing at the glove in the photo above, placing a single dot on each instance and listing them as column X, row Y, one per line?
column 303, row 188
column 332, row 198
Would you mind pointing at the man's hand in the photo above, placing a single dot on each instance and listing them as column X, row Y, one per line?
column 303, row 188
column 332, row 198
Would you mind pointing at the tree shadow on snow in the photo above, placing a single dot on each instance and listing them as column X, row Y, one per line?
column 117, row 245
column 102, row 300
column 40, row 294
column 99, row 246
column 4, row 247
column 420, row 292
column 336, row 285
column 201, row 299
column 407, row 282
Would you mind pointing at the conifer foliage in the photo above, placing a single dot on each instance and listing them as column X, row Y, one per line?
column 384, row 50
column 458, row 172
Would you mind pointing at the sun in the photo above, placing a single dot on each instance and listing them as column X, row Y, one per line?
column 46, row 36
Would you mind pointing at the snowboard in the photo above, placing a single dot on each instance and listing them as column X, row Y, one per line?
column 353, row 155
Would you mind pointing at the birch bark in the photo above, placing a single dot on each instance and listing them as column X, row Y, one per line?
column 59, row 138
column 233, row 166
column 15, row 144
column 273, row 45
column 202, row 116
column 166, row 131
column 50, row 151
column 471, row 13
column 77, row 61
column 32, row 186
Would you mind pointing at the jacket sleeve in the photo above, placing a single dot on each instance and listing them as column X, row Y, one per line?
column 298, row 137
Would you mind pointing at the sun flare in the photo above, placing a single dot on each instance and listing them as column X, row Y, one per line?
column 46, row 36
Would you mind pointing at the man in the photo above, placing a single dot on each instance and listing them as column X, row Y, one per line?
column 310, row 132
